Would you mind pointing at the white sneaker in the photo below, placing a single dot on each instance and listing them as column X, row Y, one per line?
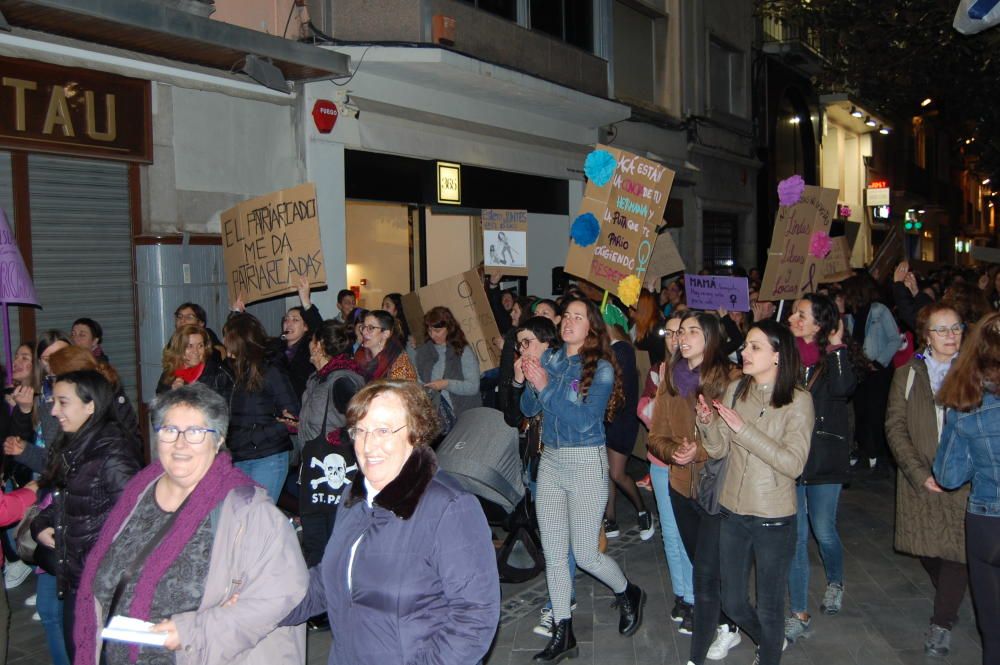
column 31, row 600
column 36, row 617
column 724, row 641
column 15, row 573
column 545, row 621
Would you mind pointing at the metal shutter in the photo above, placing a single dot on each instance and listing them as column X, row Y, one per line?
column 82, row 252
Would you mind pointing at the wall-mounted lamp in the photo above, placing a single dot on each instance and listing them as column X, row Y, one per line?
column 856, row 112
column 870, row 122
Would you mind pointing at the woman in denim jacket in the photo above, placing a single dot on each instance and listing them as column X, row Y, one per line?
column 970, row 452
column 576, row 387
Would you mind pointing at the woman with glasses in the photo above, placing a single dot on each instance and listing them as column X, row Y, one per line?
column 91, row 461
column 263, row 405
column 968, row 454
column 447, row 366
column 410, row 574
column 930, row 523
column 381, row 355
column 194, row 546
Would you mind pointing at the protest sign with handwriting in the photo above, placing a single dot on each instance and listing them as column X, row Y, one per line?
column 269, row 243
column 505, row 241
column 792, row 267
column 613, row 234
column 712, row 292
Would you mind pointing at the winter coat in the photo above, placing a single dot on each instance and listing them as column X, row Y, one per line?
column 327, row 396
column 766, row 455
column 927, row 523
column 423, row 587
column 254, row 429
column 830, row 450
column 94, row 470
column 254, row 553
column 673, row 421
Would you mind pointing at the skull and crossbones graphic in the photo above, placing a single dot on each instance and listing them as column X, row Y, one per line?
column 335, row 469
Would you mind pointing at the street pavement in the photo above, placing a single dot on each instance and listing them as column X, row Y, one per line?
column 887, row 603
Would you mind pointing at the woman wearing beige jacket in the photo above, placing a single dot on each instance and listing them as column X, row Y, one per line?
column 763, row 426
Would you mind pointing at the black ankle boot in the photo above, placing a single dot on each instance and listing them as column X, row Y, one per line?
column 630, row 604
column 561, row 645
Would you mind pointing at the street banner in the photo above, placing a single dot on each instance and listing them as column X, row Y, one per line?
column 836, row 267
column 612, row 236
column 16, row 285
column 272, row 241
column 465, row 296
column 505, row 241
column 801, row 239
column 712, row 292
column 666, row 260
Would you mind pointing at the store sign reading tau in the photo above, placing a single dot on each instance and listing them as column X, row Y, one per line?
column 60, row 109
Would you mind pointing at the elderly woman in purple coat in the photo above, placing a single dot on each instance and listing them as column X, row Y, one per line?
column 409, row 575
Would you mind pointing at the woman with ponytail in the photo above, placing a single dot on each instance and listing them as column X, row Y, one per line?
column 576, row 387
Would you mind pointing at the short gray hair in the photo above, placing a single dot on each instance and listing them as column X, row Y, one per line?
column 196, row 396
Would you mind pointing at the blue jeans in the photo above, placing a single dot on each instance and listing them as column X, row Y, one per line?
column 817, row 507
column 745, row 540
column 268, row 472
column 678, row 563
column 50, row 609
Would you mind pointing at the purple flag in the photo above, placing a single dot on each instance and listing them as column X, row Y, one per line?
column 16, row 286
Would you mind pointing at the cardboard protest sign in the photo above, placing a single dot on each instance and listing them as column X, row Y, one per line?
column 836, row 266
column 505, row 241
column 711, row 292
column 465, row 296
column 793, row 260
column 666, row 259
column 270, row 242
column 890, row 251
column 612, row 236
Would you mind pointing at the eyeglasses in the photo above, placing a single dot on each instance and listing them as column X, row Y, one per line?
column 368, row 329
column 379, row 434
column 525, row 342
column 945, row 330
column 185, row 317
column 669, row 333
column 193, row 435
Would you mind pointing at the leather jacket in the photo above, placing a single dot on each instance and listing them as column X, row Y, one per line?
column 766, row 455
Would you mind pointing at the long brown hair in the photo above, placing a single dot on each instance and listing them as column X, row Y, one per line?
column 173, row 352
column 596, row 347
column 456, row 337
column 647, row 314
column 715, row 369
column 246, row 343
column 977, row 365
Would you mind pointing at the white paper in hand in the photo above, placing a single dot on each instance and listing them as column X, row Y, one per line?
column 135, row 631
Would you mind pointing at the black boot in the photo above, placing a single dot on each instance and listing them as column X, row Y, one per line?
column 561, row 645
column 630, row 603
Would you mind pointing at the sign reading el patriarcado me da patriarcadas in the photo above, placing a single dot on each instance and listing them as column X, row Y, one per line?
column 269, row 243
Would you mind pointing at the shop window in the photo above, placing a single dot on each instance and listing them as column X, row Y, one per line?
column 571, row 21
column 504, row 8
column 727, row 77
column 718, row 241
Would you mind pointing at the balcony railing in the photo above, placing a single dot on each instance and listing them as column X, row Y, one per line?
column 776, row 31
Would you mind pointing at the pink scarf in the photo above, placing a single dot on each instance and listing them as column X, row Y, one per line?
column 221, row 479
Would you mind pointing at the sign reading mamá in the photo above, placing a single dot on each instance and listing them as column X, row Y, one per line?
column 269, row 243
column 47, row 108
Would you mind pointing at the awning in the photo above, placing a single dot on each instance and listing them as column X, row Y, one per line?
column 156, row 29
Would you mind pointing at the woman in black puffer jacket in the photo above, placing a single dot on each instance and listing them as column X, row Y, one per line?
column 262, row 408
column 828, row 374
column 90, row 463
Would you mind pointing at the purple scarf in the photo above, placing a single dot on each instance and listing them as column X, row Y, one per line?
column 222, row 478
column 686, row 380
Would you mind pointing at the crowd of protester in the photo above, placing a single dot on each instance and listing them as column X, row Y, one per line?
column 752, row 424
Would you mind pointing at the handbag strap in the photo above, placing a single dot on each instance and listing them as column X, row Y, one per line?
column 129, row 573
